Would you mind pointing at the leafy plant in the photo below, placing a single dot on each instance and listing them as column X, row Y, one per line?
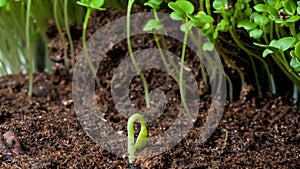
column 142, row 139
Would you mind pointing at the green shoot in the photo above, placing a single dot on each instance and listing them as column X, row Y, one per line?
column 28, row 46
column 142, row 139
column 90, row 5
column 68, row 31
column 147, row 98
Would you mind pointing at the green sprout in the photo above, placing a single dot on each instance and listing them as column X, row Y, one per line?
column 142, row 139
column 147, row 98
column 29, row 55
column 90, row 5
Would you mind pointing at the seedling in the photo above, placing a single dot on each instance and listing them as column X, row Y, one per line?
column 147, row 98
column 142, row 139
column 90, row 5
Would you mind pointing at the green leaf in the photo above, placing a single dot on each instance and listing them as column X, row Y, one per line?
column 266, row 52
column 185, row 26
column 261, row 8
column 219, row 5
column 293, row 19
column 201, row 17
column 283, row 44
column 177, row 16
column 208, row 46
column 152, row 25
column 182, row 6
column 272, row 2
column 3, row 3
column 246, row 25
column 289, row 7
column 256, row 33
column 221, row 26
column 153, row 3
column 295, row 64
column 259, row 19
column 97, row 3
column 297, row 50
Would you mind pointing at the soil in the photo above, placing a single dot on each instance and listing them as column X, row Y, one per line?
column 44, row 131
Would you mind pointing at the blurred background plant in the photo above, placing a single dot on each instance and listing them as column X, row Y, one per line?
column 257, row 40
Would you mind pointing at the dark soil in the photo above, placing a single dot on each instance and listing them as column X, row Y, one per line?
column 45, row 132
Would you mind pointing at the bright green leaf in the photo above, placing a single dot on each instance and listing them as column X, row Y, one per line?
column 297, row 50
column 283, row 44
column 3, row 3
column 182, row 6
column 152, row 25
column 219, row 5
column 256, row 33
column 266, row 52
column 261, row 8
column 295, row 64
column 272, row 2
column 289, row 7
column 208, row 46
column 153, row 3
column 185, row 26
column 293, row 19
column 177, row 16
column 97, row 3
column 246, row 25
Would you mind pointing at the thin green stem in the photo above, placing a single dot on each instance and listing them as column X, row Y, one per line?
column 147, row 98
column 87, row 56
column 142, row 139
column 68, row 31
column 60, row 33
column 28, row 46
column 181, row 85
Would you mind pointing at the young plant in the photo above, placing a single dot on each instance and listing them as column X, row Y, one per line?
column 90, row 5
column 142, row 139
column 147, row 98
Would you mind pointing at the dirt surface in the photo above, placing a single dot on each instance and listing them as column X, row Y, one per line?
column 44, row 132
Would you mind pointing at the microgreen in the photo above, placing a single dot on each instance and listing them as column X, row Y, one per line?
column 90, row 5
column 147, row 98
column 142, row 139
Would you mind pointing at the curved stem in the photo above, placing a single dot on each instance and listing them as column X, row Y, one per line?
column 28, row 46
column 68, row 31
column 142, row 139
column 60, row 33
column 86, row 53
column 147, row 98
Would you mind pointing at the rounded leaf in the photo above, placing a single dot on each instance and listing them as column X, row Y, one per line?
column 256, row 33
column 297, row 50
column 219, row 5
column 295, row 64
column 3, row 3
column 246, row 25
column 289, row 7
column 208, row 46
column 261, row 8
column 152, row 25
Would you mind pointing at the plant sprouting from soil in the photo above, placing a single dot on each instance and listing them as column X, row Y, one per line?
column 142, row 139
column 90, row 5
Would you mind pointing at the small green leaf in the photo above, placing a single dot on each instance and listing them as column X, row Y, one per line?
column 246, row 25
column 272, row 2
column 201, row 17
column 97, row 3
column 182, row 6
column 152, row 25
column 219, row 5
column 3, row 3
column 256, row 33
column 297, row 50
column 289, row 7
column 185, row 26
column 221, row 26
column 283, row 44
column 208, row 46
column 293, row 19
column 177, row 16
column 261, row 8
column 153, row 3
column 295, row 64
column 266, row 52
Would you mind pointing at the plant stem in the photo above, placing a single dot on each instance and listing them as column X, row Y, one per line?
column 68, row 31
column 86, row 53
column 181, row 86
column 147, row 98
column 28, row 46
column 142, row 138
column 60, row 33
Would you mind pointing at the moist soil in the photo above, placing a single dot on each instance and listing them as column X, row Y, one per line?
column 43, row 131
